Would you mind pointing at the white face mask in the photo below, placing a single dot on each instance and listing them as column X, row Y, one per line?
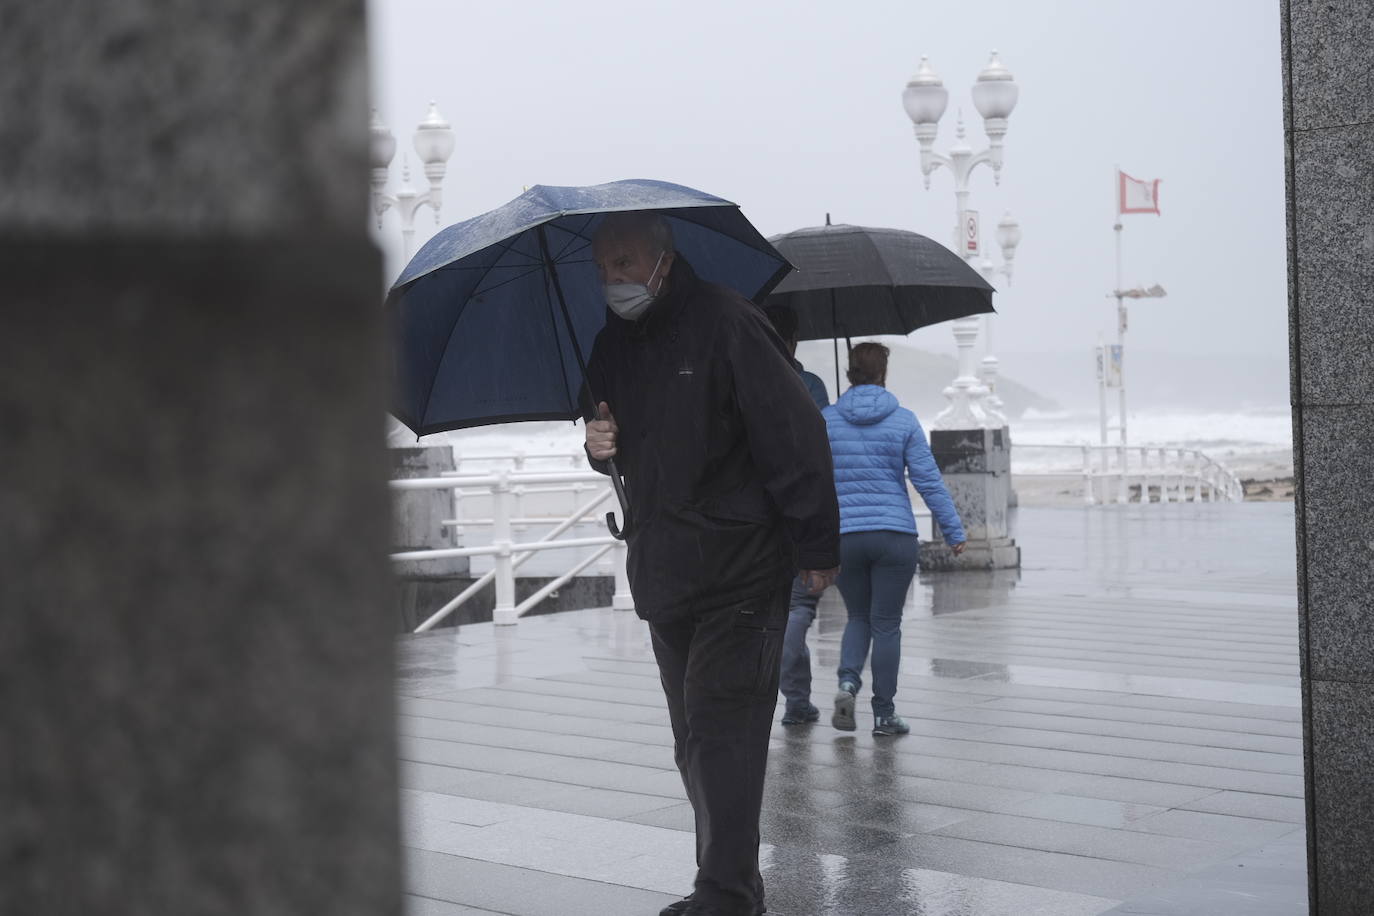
column 629, row 300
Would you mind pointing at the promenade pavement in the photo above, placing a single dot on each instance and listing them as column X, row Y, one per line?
column 1114, row 729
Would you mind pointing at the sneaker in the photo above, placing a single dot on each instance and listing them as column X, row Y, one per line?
column 843, row 718
column 804, row 715
column 890, row 725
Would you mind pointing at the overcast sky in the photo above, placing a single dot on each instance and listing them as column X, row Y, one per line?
column 793, row 109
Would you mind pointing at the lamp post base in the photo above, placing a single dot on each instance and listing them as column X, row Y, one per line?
column 986, row 553
column 976, row 467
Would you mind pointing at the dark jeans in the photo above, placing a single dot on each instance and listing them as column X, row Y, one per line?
column 796, row 657
column 875, row 572
column 719, row 668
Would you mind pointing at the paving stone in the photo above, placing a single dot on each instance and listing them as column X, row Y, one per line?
column 521, row 891
column 1087, row 840
column 1247, row 804
column 1057, row 782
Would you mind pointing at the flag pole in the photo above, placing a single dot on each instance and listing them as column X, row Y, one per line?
column 1120, row 315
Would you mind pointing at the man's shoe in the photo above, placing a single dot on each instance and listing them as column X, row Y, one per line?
column 804, row 715
column 702, row 910
column 843, row 718
column 677, row 909
column 890, row 725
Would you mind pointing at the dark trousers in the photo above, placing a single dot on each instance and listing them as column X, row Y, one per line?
column 796, row 657
column 719, row 668
column 876, row 568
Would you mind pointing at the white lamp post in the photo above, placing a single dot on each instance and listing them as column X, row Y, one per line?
column 1008, row 237
column 433, row 144
column 925, row 99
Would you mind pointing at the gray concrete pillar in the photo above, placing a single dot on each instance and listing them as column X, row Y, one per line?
column 1328, row 50
column 196, row 669
column 976, row 467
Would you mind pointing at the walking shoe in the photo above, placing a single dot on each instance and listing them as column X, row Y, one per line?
column 677, row 909
column 843, row 718
column 890, row 725
column 704, row 910
column 803, row 715
column 684, row 908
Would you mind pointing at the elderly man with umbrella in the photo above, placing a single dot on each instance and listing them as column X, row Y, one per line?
column 728, row 470
column 689, row 392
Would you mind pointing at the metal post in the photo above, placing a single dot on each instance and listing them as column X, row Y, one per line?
column 1102, row 388
column 504, row 612
column 1123, row 494
column 1120, row 331
column 1088, row 482
column 1144, row 475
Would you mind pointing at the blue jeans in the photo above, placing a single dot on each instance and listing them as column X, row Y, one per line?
column 876, row 568
column 796, row 658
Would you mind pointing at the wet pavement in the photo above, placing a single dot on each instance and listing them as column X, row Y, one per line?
column 1114, row 729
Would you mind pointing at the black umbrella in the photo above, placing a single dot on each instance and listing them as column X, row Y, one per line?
column 854, row 281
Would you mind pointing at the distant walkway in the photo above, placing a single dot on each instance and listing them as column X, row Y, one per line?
column 1115, row 730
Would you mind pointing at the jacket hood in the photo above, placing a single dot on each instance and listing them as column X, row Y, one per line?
column 866, row 404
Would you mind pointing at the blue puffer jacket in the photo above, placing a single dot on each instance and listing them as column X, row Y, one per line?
column 873, row 440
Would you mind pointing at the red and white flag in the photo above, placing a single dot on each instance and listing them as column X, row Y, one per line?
column 1136, row 196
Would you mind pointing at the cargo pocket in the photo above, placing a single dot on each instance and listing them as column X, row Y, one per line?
column 758, row 636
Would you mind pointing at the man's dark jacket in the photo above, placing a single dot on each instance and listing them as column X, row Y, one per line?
column 725, row 457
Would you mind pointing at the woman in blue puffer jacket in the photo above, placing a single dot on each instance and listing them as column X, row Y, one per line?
column 875, row 443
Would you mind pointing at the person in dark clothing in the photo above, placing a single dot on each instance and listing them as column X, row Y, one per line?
column 795, row 679
column 727, row 468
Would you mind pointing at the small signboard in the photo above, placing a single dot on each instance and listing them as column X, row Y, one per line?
column 968, row 227
column 1114, row 366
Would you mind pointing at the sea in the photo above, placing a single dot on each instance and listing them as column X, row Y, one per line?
column 1251, row 442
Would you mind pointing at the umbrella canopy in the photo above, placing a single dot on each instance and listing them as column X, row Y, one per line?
column 854, row 281
column 492, row 320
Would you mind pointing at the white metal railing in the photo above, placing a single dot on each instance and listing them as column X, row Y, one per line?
column 503, row 487
column 1115, row 473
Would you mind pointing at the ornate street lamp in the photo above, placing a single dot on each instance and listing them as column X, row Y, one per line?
column 1008, row 237
column 433, row 144
column 994, row 96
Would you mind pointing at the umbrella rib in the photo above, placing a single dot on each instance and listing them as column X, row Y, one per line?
column 505, row 250
column 576, row 235
column 531, row 271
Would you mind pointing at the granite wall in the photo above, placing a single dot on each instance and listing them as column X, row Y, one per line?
column 1328, row 48
column 196, row 670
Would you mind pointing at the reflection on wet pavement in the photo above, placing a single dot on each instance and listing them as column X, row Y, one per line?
column 1113, row 728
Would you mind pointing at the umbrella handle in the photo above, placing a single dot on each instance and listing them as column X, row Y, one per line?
column 619, row 487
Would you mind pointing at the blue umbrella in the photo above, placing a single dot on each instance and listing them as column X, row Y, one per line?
column 491, row 320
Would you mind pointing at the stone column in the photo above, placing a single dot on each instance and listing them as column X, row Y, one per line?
column 196, row 696
column 976, row 466
column 424, row 586
column 1329, row 131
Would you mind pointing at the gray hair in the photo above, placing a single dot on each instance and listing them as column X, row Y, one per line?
column 638, row 224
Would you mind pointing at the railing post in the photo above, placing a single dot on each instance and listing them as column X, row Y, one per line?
column 1088, row 476
column 1145, row 475
column 622, row 600
column 1123, row 493
column 1163, row 475
column 504, row 612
